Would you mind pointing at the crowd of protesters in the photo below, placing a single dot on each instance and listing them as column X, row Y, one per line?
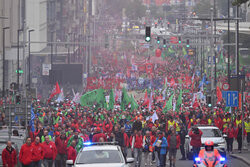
column 60, row 128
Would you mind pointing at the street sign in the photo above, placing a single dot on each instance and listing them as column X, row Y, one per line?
column 225, row 86
column 232, row 98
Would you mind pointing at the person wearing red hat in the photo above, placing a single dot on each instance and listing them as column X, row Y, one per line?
column 99, row 135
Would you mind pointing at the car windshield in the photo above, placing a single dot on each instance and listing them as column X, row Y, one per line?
column 211, row 133
column 100, row 156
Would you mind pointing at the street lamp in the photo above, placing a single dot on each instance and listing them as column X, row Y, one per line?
column 3, row 93
column 29, row 57
column 18, row 57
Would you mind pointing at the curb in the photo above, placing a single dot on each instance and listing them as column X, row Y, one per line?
column 241, row 158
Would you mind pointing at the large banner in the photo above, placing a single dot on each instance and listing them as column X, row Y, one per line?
column 105, row 83
column 142, row 83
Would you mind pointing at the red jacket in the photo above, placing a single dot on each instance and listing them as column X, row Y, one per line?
column 218, row 122
column 178, row 141
column 37, row 152
column 138, row 141
column 25, row 155
column 97, row 136
column 229, row 132
column 126, row 139
column 107, row 129
column 61, row 145
column 50, row 150
column 71, row 153
column 9, row 157
column 195, row 138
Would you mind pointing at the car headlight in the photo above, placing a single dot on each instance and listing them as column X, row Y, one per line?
column 222, row 144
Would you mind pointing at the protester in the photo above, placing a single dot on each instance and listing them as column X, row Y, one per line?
column 230, row 132
column 174, row 142
column 9, row 156
column 71, row 152
column 161, row 145
column 136, row 147
column 239, row 134
column 61, row 146
column 148, row 148
column 195, row 142
column 50, row 152
column 37, row 152
column 25, row 154
column 182, row 134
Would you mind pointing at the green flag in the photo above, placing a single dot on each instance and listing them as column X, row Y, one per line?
column 179, row 101
column 134, row 104
column 88, row 98
column 111, row 100
column 125, row 99
column 100, row 98
column 169, row 105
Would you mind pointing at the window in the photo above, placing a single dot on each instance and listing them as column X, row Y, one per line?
column 100, row 156
column 211, row 133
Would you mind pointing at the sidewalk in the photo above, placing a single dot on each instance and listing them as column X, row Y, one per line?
column 244, row 155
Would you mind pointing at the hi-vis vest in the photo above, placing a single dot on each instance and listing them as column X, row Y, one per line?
column 149, row 147
column 177, row 128
column 238, row 122
column 226, row 121
column 170, row 124
column 247, row 127
column 209, row 121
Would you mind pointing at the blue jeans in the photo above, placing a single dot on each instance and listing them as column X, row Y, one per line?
column 138, row 156
column 196, row 151
column 162, row 160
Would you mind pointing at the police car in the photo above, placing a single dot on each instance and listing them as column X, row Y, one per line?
column 100, row 155
column 211, row 133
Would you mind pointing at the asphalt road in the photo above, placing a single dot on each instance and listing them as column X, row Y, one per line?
column 231, row 162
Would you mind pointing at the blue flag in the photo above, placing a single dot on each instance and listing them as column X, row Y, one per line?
column 32, row 117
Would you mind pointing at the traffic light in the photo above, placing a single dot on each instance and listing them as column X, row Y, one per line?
column 168, row 25
column 158, row 40
column 164, row 43
column 148, row 34
column 209, row 101
column 179, row 40
column 188, row 43
column 18, row 99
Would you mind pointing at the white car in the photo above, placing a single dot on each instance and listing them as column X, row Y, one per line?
column 100, row 155
column 211, row 133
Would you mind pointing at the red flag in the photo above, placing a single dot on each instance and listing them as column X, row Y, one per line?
column 172, row 82
column 146, row 99
column 219, row 94
column 56, row 90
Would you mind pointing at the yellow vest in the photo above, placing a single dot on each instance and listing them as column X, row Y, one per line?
column 238, row 122
column 209, row 121
column 247, row 127
column 226, row 121
column 177, row 128
column 170, row 124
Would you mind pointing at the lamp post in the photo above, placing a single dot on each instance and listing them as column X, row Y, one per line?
column 3, row 93
column 18, row 57
column 29, row 81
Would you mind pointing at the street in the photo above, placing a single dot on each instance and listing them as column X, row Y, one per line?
column 231, row 162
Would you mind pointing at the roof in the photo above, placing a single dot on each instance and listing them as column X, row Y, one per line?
column 100, row 147
column 208, row 127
